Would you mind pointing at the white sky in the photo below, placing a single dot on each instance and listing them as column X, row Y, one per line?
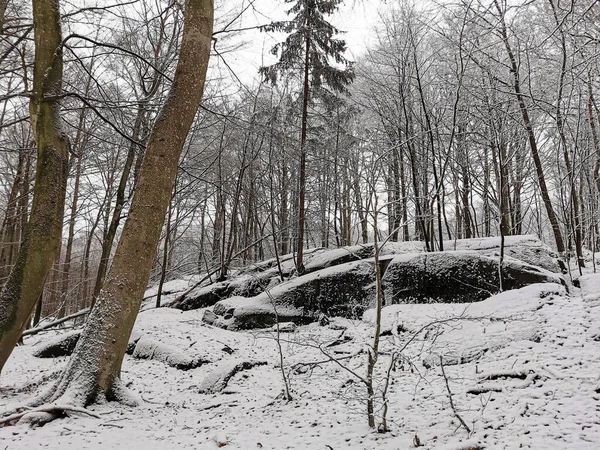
column 356, row 17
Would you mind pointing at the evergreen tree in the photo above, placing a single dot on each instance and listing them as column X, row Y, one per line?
column 311, row 46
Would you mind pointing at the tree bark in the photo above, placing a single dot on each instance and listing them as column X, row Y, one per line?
column 109, row 237
column 514, row 69
column 302, row 174
column 69, row 250
column 40, row 244
column 94, row 368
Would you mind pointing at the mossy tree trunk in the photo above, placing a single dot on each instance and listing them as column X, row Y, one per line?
column 42, row 237
column 94, row 368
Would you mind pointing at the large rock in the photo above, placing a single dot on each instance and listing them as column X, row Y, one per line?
column 346, row 290
column 343, row 290
column 314, row 259
column 255, row 279
column 456, row 277
column 204, row 296
column 526, row 248
column 61, row 345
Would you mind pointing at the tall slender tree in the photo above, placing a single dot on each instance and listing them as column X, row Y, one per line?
column 311, row 47
column 42, row 237
column 95, row 366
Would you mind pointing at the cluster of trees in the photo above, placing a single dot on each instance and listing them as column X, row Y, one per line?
column 466, row 119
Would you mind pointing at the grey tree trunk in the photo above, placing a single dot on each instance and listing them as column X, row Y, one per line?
column 94, row 368
column 38, row 251
column 514, row 69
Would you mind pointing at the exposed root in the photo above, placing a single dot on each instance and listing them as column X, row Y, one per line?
column 67, row 395
column 44, row 414
column 120, row 394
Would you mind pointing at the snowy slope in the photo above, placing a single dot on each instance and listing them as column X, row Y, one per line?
column 546, row 399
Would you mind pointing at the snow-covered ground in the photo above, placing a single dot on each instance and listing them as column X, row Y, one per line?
column 535, row 351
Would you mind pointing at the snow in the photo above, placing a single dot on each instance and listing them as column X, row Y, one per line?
column 217, row 380
column 538, row 331
column 527, row 248
column 170, row 290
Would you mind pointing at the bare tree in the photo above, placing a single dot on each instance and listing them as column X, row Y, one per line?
column 42, row 237
column 95, row 366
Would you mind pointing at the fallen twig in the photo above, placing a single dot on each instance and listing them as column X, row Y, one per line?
column 477, row 390
column 36, row 330
column 460, row 419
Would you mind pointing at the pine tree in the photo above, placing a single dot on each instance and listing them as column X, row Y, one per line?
column 311, row 47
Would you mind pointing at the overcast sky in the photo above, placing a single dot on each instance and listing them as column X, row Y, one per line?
column 356, row 17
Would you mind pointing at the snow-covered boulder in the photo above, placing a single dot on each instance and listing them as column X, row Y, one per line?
column 590, row 287
column 255, row 279
column 455, row 277
column 526, row 248
column 61, row 345
column 346, row 290
column 342, row 290
column 243, row 285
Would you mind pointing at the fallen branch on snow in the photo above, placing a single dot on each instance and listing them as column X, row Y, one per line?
column 460, row 419
column 484, row 389
column 513, row 373
column 55, row 323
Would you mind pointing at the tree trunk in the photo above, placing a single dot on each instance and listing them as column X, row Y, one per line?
column 302, row 174
column 85, row 291
column 165, row 255
column 67, row 264
column 38, row 251
column 404, row 200
column 94, row 368
column 514, row 69
column 284, row 225
column 431, row 140
column 9, row 233
column 420, row 218
column 109, row 237
column 503, row 189
column 560, row 126
column 517, row 184
column 595, row 138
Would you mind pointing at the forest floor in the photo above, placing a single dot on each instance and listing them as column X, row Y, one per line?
column 534, row 355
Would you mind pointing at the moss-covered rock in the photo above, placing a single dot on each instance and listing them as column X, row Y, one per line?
column 343, row 290
column 456, row 277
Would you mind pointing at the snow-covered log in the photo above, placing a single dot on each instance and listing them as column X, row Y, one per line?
column 140, row 346
column 218, row 378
